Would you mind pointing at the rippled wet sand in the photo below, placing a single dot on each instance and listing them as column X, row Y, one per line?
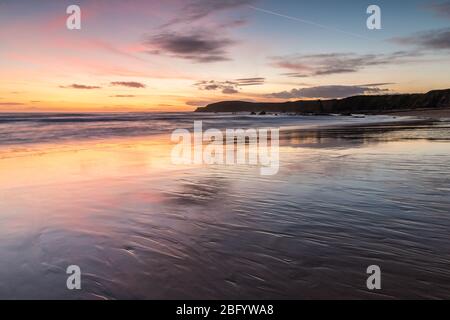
column 142, row 228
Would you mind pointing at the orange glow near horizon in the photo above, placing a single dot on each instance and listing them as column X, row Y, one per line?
column 46, row 67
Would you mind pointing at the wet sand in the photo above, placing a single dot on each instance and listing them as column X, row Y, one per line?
column 437, row 114
column 141, row 228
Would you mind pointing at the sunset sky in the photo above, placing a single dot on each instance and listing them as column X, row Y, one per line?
column 175, row 55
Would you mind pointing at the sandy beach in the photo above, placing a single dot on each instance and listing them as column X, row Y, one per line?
column 142, row 228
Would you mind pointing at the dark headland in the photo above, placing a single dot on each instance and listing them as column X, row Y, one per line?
column 367, row 104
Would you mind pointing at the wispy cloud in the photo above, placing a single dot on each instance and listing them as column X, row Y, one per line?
column 438, row 39
column 80, row 86
column 335, row 63
column 129, row 84
column 123, row 96
column 330, row 91
column 250, row 81
column 227, row 87
column 441, row 9
column 199, row 9
column 9, row 104
column 309, row 22
column 199, row 47
column 230, row 86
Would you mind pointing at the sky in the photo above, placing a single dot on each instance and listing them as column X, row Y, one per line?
column 176, row 55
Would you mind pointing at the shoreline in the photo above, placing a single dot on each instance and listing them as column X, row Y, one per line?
column 405, row 124
column 27, row 149
column 435, row 113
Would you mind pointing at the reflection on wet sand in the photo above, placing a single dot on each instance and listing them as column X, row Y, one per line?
column 354, row 136
column 140, row 227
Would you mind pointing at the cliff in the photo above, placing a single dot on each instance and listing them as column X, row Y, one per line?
column 357, row 104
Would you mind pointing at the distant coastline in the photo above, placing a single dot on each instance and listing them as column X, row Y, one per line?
column 367, row 104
